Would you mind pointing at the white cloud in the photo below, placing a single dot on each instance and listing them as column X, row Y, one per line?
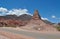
column 18, row 12
column 53, row 16
column 44, row 18
column 3, row 10
column 13, row 11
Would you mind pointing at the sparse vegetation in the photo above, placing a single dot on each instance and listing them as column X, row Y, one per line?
column 11, row 26
column 58, row 28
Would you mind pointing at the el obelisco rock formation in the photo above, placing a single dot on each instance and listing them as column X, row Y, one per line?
column 36, row 23
column 36, row 15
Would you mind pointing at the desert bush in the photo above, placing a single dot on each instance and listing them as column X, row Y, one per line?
column 10, row 26
column 1, row 26
column 58, row 28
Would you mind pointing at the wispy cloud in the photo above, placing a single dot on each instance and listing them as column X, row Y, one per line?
column 53, row 16
column 44, row 18
column 5, row 11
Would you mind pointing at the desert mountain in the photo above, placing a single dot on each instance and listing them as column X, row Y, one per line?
column 21, row 17
column 37, row 23
column 27, row 21
column 13, row 20
column 48, row 22
column 25, row 17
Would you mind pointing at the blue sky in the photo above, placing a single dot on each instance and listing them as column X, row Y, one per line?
column 47, row 8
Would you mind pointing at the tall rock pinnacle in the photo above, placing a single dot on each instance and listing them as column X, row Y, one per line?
column 36, row 15
column 36, row 23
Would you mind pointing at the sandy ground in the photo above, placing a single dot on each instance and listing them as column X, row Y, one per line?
column 31, row 33
column 3, row 37
column 8, row 35
column 44, row 32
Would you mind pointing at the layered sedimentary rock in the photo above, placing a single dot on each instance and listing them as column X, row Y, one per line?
column 36, row 15
column 36, row 23
column 11, row 23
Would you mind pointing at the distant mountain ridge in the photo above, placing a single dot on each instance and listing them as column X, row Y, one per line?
column 23, row 17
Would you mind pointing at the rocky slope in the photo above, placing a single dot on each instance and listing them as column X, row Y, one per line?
column 13, row 20
column 38, row 24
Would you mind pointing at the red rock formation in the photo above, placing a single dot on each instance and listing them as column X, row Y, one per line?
column 16, row 22
column 12, row 23
column 36, row 15
column 37, row 23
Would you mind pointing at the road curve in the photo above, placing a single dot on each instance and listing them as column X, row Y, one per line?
column 33, row 34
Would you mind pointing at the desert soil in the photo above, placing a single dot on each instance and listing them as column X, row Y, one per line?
column 8, row 35
column 34, row 34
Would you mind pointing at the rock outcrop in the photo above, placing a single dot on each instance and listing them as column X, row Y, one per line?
column 36, row 23
column 14, row 20
column 11, row 23
column 36, row 15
